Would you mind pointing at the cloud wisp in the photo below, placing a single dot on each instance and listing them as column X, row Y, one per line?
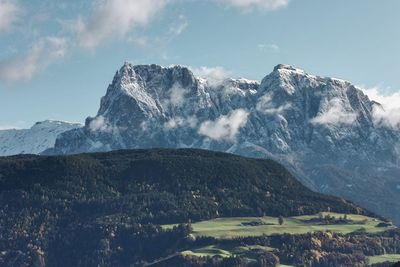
column 179, row 27
column 177, row 122
column 226, row 127
column 389, row 113
column 214, row 75
column 269, row 48
column 176, row 96
column 115, row 18
column 100, row 124
column 266, row 105
column 334, row 114
column 255, row 4
column 44, row 52
column 107, row 20
column 10, row 12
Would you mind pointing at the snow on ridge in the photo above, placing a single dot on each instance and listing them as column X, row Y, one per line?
column 41, row 136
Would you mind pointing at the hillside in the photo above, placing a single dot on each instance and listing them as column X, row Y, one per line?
column 78, row 210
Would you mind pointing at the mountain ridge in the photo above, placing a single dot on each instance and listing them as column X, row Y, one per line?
column 41, row 136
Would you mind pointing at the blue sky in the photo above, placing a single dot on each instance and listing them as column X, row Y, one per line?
column 58, row 56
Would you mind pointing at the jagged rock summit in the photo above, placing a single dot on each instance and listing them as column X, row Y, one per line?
column 322, row 129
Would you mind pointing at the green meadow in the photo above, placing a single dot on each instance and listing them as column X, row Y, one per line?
column 249, row 252
column 384, row 258
column 226, row 228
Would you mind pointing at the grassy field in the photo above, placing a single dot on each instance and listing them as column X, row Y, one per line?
column 248, row 252
column 384, row 258
column 225, row 228
column 210, row 251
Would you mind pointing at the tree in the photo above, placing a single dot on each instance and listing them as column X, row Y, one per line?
column 280, row 220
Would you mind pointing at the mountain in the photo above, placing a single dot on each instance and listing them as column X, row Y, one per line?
column 102, row 208
column 35, row 140
column 324, row 130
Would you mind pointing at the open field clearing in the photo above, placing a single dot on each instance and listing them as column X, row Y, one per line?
column 226, row 228
column 384, row 258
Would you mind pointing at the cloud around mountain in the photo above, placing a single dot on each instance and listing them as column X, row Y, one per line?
column 388, row 114
column 226, row 127
column 335, row 113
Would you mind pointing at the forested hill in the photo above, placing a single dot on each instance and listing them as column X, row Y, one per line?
column 158, row 186
column 90, row 209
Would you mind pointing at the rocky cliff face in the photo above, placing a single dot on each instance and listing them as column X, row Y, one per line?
column 322, row 129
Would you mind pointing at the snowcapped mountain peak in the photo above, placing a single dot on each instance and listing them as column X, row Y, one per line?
column 41, row 136
column 297, row 106
column 286, row 78
column 294, row 81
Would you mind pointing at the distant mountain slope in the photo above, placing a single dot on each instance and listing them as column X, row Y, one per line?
column 324, row 130
column 38, row 138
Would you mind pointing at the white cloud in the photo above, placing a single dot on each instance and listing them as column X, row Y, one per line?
column 115, row 18
column 158, row 42
column 226, row 127
column 141, row 41
column 176, row 96
column 179, row 27
column 144, row 125
column 214, row 75
column 9, row 14
column 389, row 114
column 265, row 105
column 269, row 47
column 256, row 4
column 99, row 124
column 176, row 122
column 42, row 53
column 334, row 114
